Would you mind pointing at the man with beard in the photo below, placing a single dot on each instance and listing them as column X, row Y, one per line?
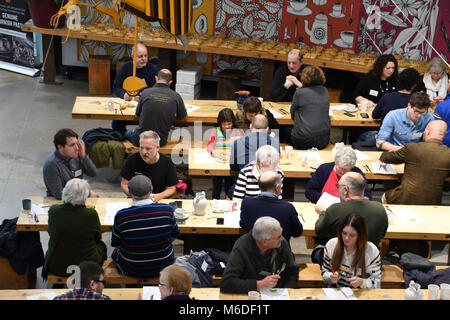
column 149, row 162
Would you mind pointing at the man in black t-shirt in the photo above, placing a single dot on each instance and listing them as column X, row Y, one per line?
column 149, row 162
column 287, row 78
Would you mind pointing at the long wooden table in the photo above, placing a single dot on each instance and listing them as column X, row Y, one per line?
column 436, row 225
column 93, row 107
column 213, row 294
column 292, row 168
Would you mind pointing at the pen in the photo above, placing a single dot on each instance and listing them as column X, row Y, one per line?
column 233, row 206
column 302, row 217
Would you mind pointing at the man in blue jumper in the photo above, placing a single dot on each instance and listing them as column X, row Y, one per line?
column 268, row 204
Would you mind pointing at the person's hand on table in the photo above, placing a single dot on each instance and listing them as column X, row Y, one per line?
column 319, row 208
column 268, row 282
column 94, row 194
column 127, row 97
column 355, row 281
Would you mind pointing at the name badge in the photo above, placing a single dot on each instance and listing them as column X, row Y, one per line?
column 418, row 135
column 373, row 93
column 78, row 173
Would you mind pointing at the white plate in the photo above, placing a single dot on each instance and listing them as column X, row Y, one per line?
column 350, row 109
column 181, row 214
column 305, row 12
column 340, row 43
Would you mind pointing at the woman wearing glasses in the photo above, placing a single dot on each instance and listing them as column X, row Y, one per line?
column 327, row 175
column 350, row 260
column 435, row 80
column 175, row 283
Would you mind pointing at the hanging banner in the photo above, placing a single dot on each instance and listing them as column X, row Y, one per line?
column 16, row 46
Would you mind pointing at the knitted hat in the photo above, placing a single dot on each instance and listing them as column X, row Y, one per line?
column 140, row 185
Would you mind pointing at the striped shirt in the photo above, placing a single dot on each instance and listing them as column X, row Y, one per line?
column 247, row 182
column 372, row 278
column 143, row 232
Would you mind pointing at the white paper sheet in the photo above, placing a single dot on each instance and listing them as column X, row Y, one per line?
column 383, row 168
column 148, row 291
column 339, row 294
column 40, row 209
column 232, row 219
column 275, row 294
column 327, row 200
column 203, row 158
column 43, row 296
column 330, row 112
column 190, row 108
column 111, row 210
column 276, row 114
column 310, row 156
column 360, row 156
column 408, row 216
column 339, row 107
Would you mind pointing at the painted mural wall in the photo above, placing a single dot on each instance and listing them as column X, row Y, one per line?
column 410, row 28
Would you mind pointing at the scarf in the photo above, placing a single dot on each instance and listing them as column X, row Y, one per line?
column 438, row 90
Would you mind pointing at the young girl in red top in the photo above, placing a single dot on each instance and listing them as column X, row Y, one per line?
column 219, row 145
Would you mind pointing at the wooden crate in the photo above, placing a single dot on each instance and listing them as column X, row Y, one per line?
column 99, row 70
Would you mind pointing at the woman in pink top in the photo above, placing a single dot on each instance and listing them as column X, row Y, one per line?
column 219, row 146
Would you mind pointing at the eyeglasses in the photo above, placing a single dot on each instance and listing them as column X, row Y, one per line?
column 162, row 285
column 280, row 237
column 419, row 112
column 101, row 281
column 436, row 73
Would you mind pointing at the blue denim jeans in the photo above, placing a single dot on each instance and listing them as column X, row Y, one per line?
column 129, row 134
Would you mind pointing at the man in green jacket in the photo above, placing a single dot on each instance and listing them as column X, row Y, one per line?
column 260, row 259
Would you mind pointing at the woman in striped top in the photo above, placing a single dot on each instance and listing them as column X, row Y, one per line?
column 219, row 146
column 350, row 260
column 267, row 159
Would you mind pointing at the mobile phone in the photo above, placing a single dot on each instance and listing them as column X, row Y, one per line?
column 220, row 221
column 179, row 204
column 365, row 115
column 349, row 114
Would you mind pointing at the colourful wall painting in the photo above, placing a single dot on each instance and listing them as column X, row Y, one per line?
column 376, row 26
column 410, row 28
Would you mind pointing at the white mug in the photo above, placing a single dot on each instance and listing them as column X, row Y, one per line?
column 433, row 292
column 253, row 295
column 445, row 291
column 289, row 151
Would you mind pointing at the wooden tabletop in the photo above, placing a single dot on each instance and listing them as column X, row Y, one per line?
column 93, row 107
column 293, row 167
column 215, row 294
column 432, row 222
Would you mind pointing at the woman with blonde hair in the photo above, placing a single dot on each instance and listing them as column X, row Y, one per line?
column 435, row 80
column 175, row 283
column 350, row 260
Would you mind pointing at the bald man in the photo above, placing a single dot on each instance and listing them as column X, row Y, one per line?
column 267, row 203
column 244, row 148
column 157, row 109
column 351, row 191
column 427, row 165
column 287, row 77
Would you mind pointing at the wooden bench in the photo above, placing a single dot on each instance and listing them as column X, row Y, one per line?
column 310, row 276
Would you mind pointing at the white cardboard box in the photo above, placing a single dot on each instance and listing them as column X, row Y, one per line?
column 189, row 74
column 187, row 88
column 190, row 96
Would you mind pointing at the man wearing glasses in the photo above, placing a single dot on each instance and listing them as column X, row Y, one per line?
column 405, row 125
column 91, row 284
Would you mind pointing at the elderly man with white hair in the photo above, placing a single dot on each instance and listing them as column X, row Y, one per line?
column 74, row 231
column 267, row 159
column 327, row 175
column 260, row 259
